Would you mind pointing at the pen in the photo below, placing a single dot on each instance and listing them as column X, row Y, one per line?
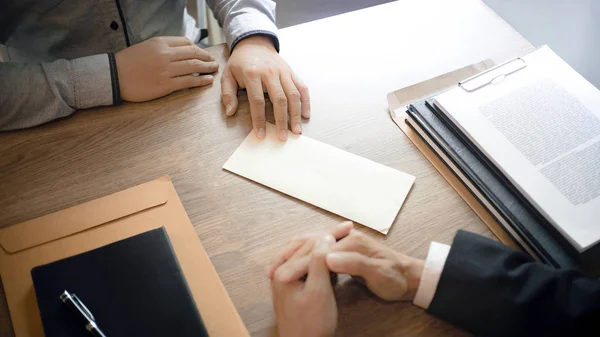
column 82, row 313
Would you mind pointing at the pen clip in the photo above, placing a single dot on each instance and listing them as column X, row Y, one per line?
column 82, row 307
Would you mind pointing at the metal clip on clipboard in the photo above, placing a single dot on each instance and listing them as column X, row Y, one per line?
column 493, row 75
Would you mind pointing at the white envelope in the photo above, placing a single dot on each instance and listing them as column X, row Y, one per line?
column 356, row 188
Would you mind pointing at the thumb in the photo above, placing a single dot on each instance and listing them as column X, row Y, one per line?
column 318, row 273
column 229, row 92
column 351, row 263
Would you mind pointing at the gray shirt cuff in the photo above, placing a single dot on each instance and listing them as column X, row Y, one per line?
column 249, row 24
column 92, row 78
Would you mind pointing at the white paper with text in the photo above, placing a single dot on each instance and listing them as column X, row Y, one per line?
column 541, row 127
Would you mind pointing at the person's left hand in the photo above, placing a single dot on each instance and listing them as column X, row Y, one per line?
column 307, row 308
column 256, row 66
column 390, row 275
column 298, row 251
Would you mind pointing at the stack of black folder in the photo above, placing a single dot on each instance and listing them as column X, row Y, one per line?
column 495, row 192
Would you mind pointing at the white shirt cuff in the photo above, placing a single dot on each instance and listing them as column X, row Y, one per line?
column 434, row 264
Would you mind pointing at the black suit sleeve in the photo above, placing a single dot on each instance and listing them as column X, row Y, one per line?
column 489, row 289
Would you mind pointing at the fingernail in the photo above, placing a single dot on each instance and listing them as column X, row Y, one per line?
column 228, row 110
column 215, row 65
column 347, row 224
column 283, row 134
column 261, row 133
column 298, row 128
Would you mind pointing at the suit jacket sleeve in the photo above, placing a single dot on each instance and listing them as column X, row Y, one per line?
column 492, row 290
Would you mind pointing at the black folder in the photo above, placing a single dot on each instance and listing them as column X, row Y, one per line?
column 510, row 208
column 133, row 287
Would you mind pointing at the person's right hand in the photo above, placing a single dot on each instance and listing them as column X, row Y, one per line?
column 390, row 275
column 161, row 65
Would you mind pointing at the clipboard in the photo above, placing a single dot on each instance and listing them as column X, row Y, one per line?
column 472, row 75
column 102, row 221
column 494, row 75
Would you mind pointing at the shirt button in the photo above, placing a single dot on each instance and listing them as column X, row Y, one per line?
column 114, row 25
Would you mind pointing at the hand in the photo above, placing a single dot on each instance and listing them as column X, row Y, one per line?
column 299, row 250
column 390, row 275
column 256, row 66
column 161, row 65
column 307, row 308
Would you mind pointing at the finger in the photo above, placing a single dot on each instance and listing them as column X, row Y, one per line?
column 177, row 41
column 182, row 82
column 293, row 269
column 338, row 231
column 190, row 52
column 306, row 248
column 294, row 105
column 304, row 95
column 285, row 254
column 187, row 67
column 341, row 230
column 283, row 286
column 229, row 89
column 284, row 291
column 318, row 272
column 351, row 263
column 256, row 98
column 280, row 105
column 355, row 242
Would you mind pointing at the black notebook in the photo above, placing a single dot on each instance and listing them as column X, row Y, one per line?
column 503, row 201
column 133, row 287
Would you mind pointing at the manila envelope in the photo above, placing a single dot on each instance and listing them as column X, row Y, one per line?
column 102, row 221
column 401, row 98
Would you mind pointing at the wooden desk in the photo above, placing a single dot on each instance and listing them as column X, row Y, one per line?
column 350, row 63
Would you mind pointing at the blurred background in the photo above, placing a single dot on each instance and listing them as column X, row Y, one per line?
column 570, row 27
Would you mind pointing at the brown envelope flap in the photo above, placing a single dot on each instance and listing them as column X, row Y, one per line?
column 82, row 217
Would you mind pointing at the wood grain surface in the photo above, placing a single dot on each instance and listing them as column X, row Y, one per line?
column 242, row 224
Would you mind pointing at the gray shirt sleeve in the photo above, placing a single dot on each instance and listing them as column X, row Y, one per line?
column 35, row 93
column 242, row 18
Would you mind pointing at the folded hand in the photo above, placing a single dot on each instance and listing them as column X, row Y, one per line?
column 388, row 274
column 307, row 308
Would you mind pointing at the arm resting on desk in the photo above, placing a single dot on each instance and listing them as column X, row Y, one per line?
column 492, row 290
column 36, row 93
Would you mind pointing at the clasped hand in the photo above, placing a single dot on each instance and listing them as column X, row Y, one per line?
column 309, row 308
